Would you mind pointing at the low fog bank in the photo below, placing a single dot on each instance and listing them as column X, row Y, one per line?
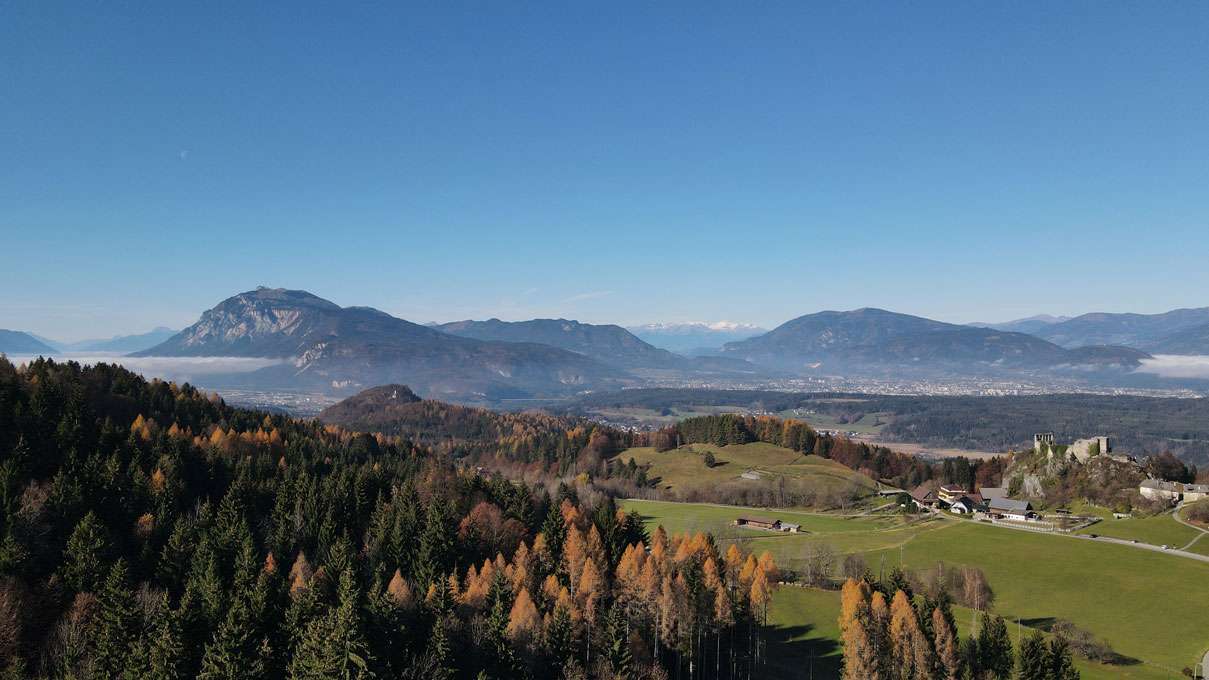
column 1177, row 366
column 179, row 369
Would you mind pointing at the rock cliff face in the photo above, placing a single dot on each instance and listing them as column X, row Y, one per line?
column 344, row 349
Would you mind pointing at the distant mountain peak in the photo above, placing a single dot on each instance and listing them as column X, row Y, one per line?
column 344, row 348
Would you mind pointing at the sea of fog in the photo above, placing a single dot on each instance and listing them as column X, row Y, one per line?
column 1177, row 366
column 180, row 369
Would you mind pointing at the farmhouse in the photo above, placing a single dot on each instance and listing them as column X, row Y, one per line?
column 966, row 503
column 924, row 495
column 1008, row 508
column 791, row 528
column 950, row 493
column 1157, row 489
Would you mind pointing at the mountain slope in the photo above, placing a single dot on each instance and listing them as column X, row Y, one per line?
column 868, row 338
column 20, row 342
column 341, row 349
column 1148, row 332
column 608, row 344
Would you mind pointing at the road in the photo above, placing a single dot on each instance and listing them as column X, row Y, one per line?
column 1098, row 539
column 1181, row 520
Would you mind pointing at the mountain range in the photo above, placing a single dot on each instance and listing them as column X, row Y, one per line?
column 608, row 344
column 1180, row 331
column 873, row 339
column 695, row 338
column 325, row 346
column 314, row 344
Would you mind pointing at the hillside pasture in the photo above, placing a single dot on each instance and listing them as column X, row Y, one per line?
column 684, row 472
column 1161, row 529
column 1112, row 590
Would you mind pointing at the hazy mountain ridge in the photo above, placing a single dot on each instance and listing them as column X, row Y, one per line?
column 20, row 342
column 607, row 343
column 1174, row 332
column 869, row 337
column 135, row 342
column 345, row 348
column 1030, row 325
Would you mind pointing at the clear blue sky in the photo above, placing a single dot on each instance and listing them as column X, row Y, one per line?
column 608, row 161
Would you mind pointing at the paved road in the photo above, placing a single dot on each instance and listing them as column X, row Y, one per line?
column 1099, row 539
column 1181, row 520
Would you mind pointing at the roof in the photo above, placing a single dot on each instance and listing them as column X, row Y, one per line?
column 990, row 492
column 1196, row 488
column 976, row 497
column 758, row 520
column 1010, row 505
column 790, row 525
column 953, row 488
column 1158, row 484
column 924, row 492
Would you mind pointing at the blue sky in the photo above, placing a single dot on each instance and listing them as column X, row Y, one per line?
column 620, row 162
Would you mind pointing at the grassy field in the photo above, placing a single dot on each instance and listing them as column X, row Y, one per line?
column 681, row 468
column 1112, row 590
column 871, row 423
column 1156, row 530
column 803, row 640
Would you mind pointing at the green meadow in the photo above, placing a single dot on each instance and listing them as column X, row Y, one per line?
column 685, row 467
column 1148, row 606
column 1159, row 529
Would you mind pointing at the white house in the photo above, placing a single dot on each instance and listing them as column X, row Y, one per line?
column 1008, row 508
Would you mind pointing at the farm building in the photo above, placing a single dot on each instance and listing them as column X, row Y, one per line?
column 950, row 493
column 1157, row 489
column 1008, row 508
column 967, row 503
column 759, row 523
column 989, row 492
column 924, row 495
column 1195, row 492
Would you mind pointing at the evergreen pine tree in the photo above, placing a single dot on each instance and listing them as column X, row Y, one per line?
column 554, row 528
column 165, row 646
column 499, row 607
column 84, row 557
column 1034, row 658
column 117, row 627
column 560, row 639
column 334, row 645
column 435, row 556
column 617, row 645
column 235, row 651
column 995, row 648
column 1058, row 659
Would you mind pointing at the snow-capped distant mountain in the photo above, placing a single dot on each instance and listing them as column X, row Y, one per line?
column 695, row 337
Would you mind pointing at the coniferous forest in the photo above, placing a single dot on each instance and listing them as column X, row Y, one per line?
column 148, row 530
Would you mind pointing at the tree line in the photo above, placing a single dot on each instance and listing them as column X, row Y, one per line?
column 901, row 637
column 149, row 530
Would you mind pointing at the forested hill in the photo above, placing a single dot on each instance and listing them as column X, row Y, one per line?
column 148, row 530
column 526, row 439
